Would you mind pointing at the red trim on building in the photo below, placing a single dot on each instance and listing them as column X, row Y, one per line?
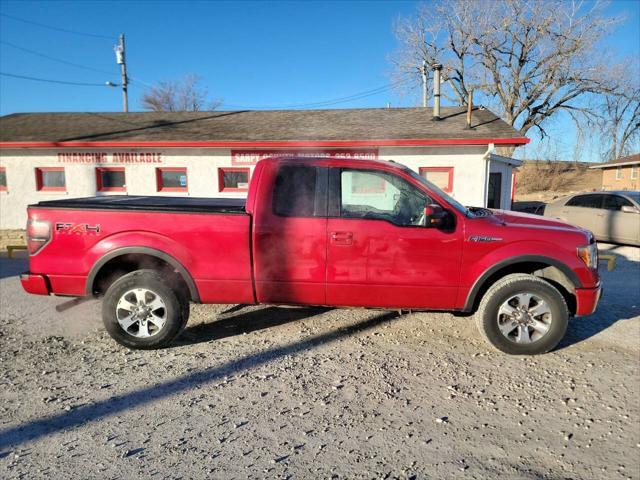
column 159, row 185
column 100, row 187
column 40, row 187
column 273, row 144
column 449, row 170
column 3, row 188
column 221, row 186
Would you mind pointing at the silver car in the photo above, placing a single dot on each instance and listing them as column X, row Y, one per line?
column 611, row 216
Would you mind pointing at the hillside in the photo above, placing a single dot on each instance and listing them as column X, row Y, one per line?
column 545, row 180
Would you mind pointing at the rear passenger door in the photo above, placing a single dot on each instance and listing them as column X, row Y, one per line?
column 290, row 235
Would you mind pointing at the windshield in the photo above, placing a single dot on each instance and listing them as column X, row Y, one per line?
column 450, row 200
column 633, row 196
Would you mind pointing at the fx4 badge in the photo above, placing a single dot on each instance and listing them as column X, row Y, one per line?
column 480, row 238
column 79, row 228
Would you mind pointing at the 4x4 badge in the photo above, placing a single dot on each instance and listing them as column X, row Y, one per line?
column 80, row 228
column 480, row 238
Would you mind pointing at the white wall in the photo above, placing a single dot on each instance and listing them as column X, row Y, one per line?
column 202, row 171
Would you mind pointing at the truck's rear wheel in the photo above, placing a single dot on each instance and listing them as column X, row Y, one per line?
column 140, row 310
column 523, row 315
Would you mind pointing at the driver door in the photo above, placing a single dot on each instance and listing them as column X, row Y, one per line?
column 378, row 252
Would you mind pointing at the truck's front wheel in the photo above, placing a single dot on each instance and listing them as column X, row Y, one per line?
column 523, row 315
column 140, row 310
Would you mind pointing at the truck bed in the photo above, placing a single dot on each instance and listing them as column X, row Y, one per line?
column 150, row 203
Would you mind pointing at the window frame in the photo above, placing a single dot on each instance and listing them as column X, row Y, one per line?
column 5, row 187
column 629, row 203
column 101, row 188
column 618, row 173
column 583, row 195
column 221, row 172
column 634, row 172
column 159, row 185
column 449, row 170
column 40, row 187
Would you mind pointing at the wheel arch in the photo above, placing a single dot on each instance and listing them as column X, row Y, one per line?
column 554, row 271
column 130, row 254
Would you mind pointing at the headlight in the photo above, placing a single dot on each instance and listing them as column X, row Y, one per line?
column 589, row 255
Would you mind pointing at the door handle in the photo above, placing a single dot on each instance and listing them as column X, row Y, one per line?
column 342, row 238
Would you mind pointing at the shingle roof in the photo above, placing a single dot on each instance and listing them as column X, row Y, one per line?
column 255, row 125
column 630, row 160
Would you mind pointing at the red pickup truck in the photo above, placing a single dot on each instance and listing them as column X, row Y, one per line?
column 317, row 231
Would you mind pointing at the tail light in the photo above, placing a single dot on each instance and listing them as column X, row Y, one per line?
column 38, row 235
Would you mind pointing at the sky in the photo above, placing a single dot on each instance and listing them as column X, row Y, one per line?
column 249, row 54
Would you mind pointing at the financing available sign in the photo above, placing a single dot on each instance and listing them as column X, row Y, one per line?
column 119, row 158
column 251, row 157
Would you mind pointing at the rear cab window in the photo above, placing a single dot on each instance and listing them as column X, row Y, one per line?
column 300, row 191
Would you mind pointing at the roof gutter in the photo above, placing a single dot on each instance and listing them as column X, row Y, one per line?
column 272, row 144
column 614, row 165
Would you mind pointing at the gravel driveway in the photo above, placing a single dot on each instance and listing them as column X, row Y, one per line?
column 266, row 392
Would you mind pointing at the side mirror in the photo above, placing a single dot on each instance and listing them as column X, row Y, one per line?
column 433, row 215
column 628, row 209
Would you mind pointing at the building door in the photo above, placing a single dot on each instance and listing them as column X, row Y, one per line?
column 379, row 253
column 495, row 190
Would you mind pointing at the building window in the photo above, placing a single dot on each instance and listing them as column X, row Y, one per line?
column 367, row 182
column 50, row 179
column 634, row 172
column 233, row 179
column 171, row 179
column 110, row 179
column 619, row 173
column 440, row 176
column 3, row 179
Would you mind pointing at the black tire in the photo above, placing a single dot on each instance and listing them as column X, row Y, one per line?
column 173, row 310
column 504, row 290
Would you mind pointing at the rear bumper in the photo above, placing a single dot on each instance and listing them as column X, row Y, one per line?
column 587, row 300
column 36, row 284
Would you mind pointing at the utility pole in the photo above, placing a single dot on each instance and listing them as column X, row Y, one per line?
column 121, row 60
column 423, row 71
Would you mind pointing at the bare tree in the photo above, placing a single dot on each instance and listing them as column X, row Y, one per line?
column 618, row 115
column 528, row 59
column 185, row 95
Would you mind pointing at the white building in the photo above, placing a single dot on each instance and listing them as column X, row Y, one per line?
column 46, row 156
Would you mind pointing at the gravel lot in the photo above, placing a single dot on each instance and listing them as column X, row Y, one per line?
column 266, row 392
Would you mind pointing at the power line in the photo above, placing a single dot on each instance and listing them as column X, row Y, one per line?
column 43, row 55
column 36, row 79
column 326, row 103
column 66, row 62
column 50, row 27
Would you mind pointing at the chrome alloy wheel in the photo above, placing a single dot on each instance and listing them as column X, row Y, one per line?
column 524, row 318
column 141, row 312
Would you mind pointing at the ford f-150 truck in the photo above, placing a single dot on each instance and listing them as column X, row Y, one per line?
column 321, row 231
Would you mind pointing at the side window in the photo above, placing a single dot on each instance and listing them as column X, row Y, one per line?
column 586, row 201
column 615, row 202
column 294, row 193
column 369, row 194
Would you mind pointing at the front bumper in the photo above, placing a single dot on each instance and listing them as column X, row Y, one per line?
column 36, row 284
column 587, row 300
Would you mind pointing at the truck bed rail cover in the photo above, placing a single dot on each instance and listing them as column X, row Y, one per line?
column 150, row 203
